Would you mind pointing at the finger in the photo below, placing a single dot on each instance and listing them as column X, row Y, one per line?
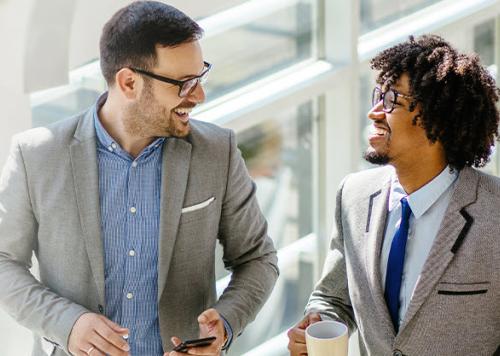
column 93, row 351
column 297, row 349
column 308, row 320
column 297, row 335
column 175, row 340
column 314, row 318
column 114, row 326
column 104, row 345
column 111, row 336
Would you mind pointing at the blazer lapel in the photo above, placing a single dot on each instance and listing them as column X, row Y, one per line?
column 83, row 154
column 454, row 228
column 374, row 234
column 175, row 173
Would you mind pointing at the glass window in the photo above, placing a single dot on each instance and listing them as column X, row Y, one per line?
column 279, row 156
column 85, row 85
column 263, row 43
column 269, row 43
column 485, row 47
column 376, row 13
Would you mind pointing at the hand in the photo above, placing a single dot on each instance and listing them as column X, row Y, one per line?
column 297, row 335
column 211, row 324
column 98, row 334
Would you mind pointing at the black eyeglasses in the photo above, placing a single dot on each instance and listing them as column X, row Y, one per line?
column 187, row 86
column 388, row 98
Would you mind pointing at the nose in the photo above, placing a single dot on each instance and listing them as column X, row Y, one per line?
column 377, row 112
column 198, row 94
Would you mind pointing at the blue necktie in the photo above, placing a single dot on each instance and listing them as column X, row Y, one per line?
column 395, row 264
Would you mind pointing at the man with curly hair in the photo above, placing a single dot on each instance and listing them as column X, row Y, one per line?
column 415, row 249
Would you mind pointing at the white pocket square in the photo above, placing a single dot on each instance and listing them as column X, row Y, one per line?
column 197, row 206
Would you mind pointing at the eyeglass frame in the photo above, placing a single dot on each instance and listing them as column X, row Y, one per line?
column 382, row 96
column 179, row 83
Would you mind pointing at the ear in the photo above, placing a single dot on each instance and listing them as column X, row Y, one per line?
column 128, row 83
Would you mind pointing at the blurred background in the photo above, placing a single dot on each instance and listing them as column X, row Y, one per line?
column 291, row 77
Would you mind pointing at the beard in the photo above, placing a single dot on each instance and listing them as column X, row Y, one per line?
column 374, row 157
column 147, row 118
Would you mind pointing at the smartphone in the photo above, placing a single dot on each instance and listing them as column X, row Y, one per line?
column 184, row 346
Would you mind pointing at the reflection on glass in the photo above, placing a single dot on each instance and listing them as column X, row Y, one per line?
column 376, row 13
column 484, row 46
column 85, row 85
column 279, row 156
column 259, row 48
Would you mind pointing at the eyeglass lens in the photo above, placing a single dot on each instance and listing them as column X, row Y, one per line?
column 388, row 98
column 190, row 85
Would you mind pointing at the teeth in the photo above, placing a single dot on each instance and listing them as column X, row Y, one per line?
column 183, row 111
column 379, row 131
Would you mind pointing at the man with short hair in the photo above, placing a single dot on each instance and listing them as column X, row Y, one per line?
column 415, row 248
column 123, row 206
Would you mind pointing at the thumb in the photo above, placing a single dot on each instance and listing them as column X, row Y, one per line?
column 308, row 320
column 208, row 316
column 314, row 317
column 175, row 340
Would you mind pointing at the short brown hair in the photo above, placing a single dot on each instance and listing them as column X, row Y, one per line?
column 130, row 37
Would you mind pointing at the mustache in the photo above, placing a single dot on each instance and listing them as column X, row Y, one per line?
column 185, row 106
column 382, row 124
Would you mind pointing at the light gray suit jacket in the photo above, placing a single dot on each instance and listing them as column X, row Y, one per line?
column 455, row 308
column 49, row 205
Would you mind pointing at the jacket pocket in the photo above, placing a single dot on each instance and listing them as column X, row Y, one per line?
column 461, row 289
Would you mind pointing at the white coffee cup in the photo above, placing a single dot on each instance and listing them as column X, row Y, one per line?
column 327, row 338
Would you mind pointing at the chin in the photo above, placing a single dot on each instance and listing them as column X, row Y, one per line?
column 182, row 130
column 377, row 158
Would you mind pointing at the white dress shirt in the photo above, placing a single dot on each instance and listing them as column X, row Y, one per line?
column 428, row 206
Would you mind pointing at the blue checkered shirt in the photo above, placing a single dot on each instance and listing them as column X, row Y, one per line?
column 129, row 195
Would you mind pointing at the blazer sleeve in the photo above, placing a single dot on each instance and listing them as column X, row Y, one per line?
column 22, row 296
column 248, row 251
column 331, row 295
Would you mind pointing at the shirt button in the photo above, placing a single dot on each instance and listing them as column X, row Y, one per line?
column 110, row 149
column 134, row 164
column 397, row 353
column 130, row 295
column 131, row 253
column 133, row 210
column 113, row 145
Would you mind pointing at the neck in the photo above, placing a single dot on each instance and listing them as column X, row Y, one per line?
column 414, row 176
column 112, row 119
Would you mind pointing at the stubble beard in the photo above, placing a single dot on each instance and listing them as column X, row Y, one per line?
column 147, row 118
column 379, row 158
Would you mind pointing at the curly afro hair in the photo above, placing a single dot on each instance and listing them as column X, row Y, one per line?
column 457, row 96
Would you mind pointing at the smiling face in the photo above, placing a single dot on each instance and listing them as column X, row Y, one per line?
column 394, row 138
column 159, row 111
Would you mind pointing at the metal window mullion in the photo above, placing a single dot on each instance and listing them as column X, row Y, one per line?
column 339, row 143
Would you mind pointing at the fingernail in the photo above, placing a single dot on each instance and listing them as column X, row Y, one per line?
column 126, row 348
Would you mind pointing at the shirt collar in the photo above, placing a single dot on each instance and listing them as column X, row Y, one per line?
column 421, row 200
column 106, row 141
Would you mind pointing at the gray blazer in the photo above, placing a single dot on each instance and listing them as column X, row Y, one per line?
column 49, row 205
column 455, row 308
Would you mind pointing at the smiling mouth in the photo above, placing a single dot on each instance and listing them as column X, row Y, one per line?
column 183, row 113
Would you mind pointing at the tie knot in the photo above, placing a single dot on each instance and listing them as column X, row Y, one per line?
column 406, row 210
